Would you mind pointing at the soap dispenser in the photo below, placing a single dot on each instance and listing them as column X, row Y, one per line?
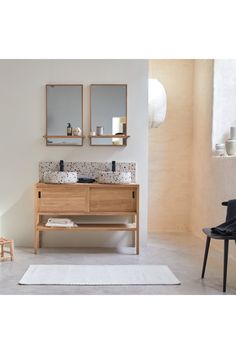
column 69, row 129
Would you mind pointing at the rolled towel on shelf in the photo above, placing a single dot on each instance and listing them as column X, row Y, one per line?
column 59, row 222
column 72, row 224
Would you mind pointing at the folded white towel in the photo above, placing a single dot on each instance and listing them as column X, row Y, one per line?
column 53, row 224
column 60, row 221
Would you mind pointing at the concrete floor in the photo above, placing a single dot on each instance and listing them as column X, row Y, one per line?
column 183, row 253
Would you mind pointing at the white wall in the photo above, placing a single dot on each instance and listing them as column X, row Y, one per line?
column 22, row 119
column 224, row 93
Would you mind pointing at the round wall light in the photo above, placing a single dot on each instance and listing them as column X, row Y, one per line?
column 157, row 103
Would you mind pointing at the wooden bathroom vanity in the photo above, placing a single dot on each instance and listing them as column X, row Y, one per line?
column 87, row 199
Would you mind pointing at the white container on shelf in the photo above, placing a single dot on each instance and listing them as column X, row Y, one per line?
column 230, row 146
column 76, row 131
column 233, row 133
column 220, row 149
column 99, row 130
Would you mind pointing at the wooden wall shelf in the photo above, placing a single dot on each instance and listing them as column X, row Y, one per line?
column 82, row 137
column 104, row 136
column 109, row 136
column 64, row 136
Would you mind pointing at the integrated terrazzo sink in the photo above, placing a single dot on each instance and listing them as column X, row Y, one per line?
column 60, row 177
column 114, row 177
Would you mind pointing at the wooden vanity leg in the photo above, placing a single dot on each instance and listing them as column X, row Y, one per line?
column 133, row 238
column 37, row 235
column 36, row 242
column 137, row 242
column 40, row 233
column 137, row 222
column 137, row 235
column 134, row 232
column 40, row 240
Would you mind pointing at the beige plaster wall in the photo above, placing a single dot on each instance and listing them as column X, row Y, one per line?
column 186, row 182
column 170, row 149
column 203, row 185
column 213, row 178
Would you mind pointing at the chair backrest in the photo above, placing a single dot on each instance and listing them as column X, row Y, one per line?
column 231, row 209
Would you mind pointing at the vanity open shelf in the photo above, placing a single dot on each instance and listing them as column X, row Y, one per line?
column 96, row 199
column 91, row 227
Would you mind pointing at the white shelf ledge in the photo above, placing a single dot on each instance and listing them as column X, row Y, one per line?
column 224, row 157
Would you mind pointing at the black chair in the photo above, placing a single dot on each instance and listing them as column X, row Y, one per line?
column 226, row 240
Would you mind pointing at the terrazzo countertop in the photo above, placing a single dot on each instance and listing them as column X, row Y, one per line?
column 87, row 169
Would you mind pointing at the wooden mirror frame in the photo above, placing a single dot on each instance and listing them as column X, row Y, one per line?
column 64, row 136
column 108, row 136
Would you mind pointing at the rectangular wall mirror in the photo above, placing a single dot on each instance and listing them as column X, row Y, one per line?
column 64, row 114
column 108, row 114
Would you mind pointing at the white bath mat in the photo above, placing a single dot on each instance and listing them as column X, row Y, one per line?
column 99, row 275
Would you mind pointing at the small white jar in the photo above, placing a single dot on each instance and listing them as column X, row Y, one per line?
column 76, row 131
column 99, row 130
column 220, row 149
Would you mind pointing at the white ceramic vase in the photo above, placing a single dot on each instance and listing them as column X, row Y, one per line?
column 230, row 146
column 232, row 133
